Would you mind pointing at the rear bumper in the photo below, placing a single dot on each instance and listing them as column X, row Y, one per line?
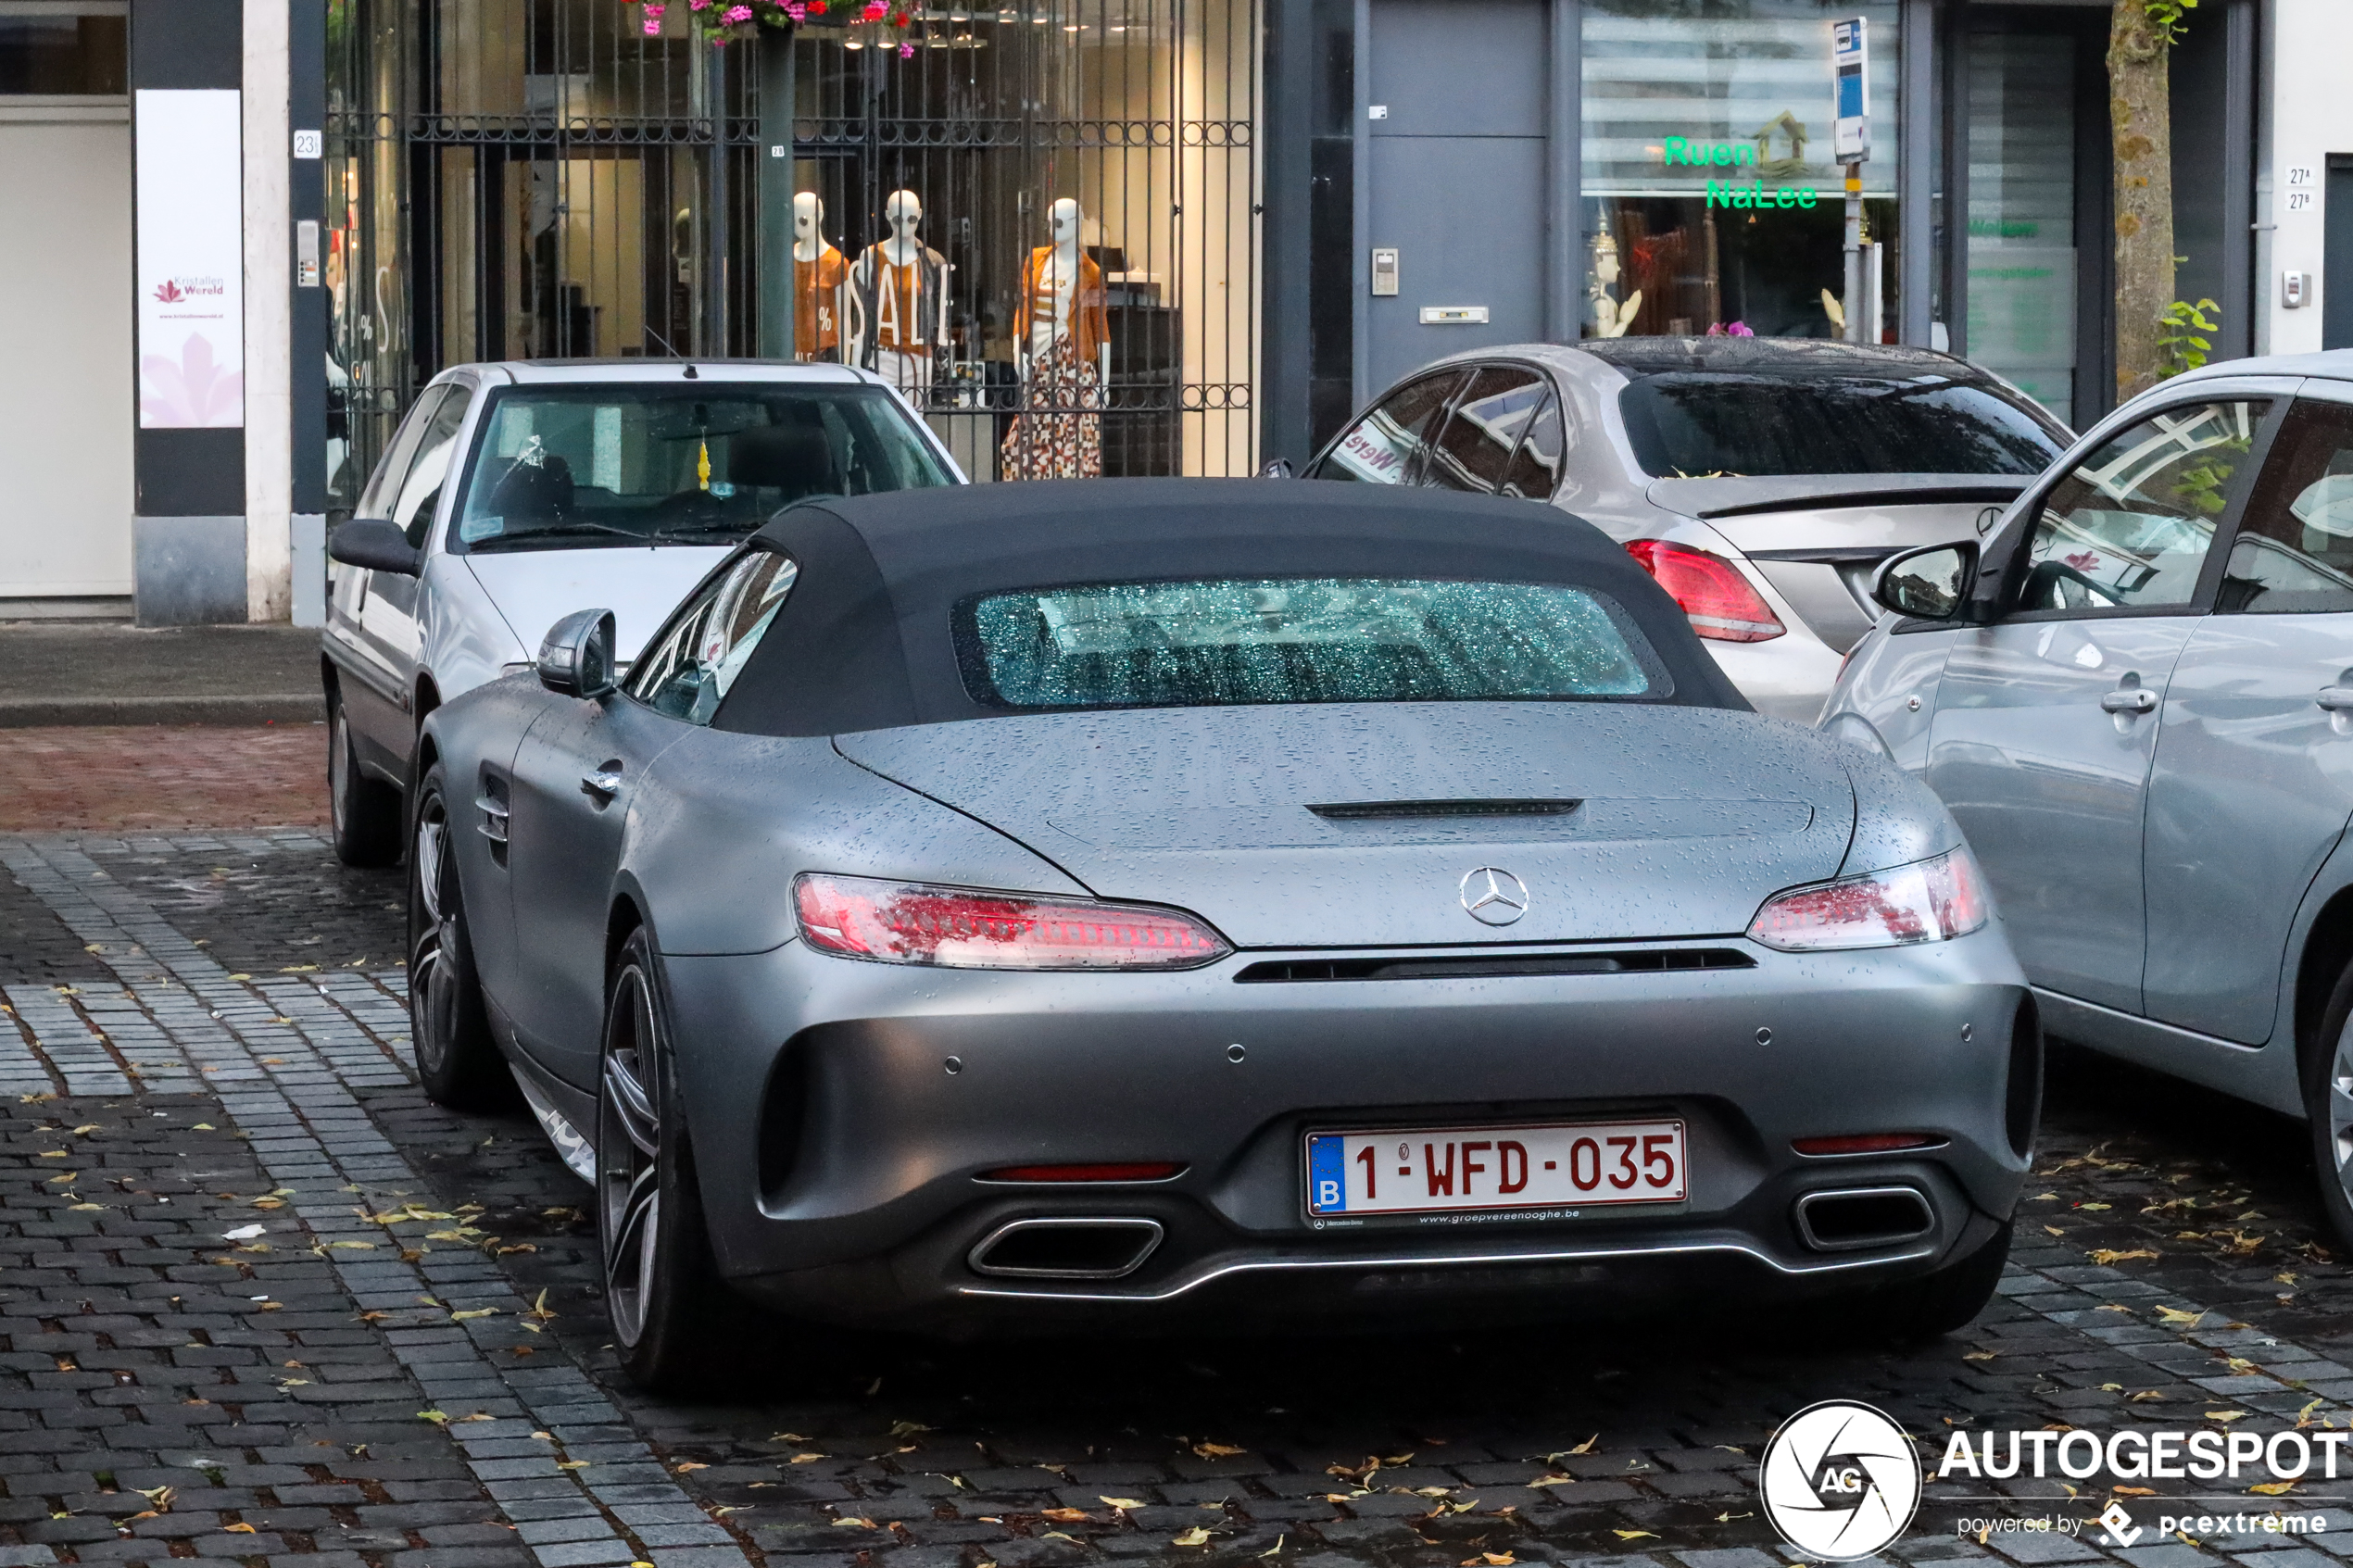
column 840, row 1154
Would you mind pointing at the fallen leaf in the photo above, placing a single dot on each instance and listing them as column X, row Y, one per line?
column 202, row 1127
column 903, row 1428
column 853, row 1523
column 807, row 1458
column 86, row 1128
column 1064, row 1515
column 2226, row 1416
column 1586, row 1446
column 1634, row 1535
column 2272, row 1488
column 2054, row 1230
column 1980, row 1355
column 1197, row 1535
column 1127, row 1502
column 85, row 1206
column 239, row 1529
column 571, row 1464
column 688, row 1466
column 2134, row 1491
column 2173, row 1317
column 437, row 1417
column 475, row 1313
column 1217, row 1451
column 2147, row 1397
column 2104, row 1255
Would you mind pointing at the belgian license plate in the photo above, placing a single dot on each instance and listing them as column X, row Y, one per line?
column 1427, row 1169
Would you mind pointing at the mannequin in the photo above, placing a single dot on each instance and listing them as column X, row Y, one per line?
column 822, row 299
column 900, row 287
column 1610, row 318
column 1062, row 346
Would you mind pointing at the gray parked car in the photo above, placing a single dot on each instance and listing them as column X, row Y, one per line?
column 1760, row 480
column 1133, row 899
column 2138, row 701
column 514, row 492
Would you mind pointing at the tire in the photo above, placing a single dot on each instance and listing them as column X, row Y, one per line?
column 365, row 812
column 458, row 1061
column 2328, row 1106
column 677, row 1326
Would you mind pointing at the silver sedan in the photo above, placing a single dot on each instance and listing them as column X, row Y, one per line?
column 1138, row 900
column 2138, row 701
column 1760, row 480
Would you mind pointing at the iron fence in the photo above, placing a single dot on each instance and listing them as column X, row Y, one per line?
column 542, row 177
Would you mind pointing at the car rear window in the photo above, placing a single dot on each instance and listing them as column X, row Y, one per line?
column 1227, row 641
column 1694, row 424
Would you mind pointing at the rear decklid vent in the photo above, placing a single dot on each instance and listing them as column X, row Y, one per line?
column 1406, row 810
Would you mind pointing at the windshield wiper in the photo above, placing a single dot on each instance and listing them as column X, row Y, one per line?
column 680, row 529
column 554, row 529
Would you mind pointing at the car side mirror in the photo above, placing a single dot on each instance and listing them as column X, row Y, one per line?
column 575, row 657
column 1275, row 468
column 377, row 544
column 1929, row 584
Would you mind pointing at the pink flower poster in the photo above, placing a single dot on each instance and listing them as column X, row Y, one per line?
column 192, row 315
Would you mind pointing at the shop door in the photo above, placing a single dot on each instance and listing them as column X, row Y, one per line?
column 64, row 385
column 1457, row 178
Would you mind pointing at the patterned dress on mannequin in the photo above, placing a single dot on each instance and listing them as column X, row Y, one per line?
column 1059, row 433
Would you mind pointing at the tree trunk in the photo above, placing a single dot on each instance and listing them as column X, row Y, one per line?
column 2139, row 121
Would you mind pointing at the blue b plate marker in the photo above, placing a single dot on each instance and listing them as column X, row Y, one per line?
column 1326, row 1176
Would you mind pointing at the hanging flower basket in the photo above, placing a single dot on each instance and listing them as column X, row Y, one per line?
column 724, row 20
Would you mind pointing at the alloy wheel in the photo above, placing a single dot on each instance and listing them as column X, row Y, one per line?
column 629, row 1156
column 338, row 766
column 2340, row 1087
column 433, row 976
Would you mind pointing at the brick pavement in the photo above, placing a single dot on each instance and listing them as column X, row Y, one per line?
column 161, row 778
column 1568, row 1445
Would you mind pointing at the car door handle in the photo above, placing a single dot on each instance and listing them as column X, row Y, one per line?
column 2337, row 699
column 2131, row 699
column 601, row 785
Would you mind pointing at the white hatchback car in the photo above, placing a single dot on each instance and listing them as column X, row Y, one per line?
column 515, row 492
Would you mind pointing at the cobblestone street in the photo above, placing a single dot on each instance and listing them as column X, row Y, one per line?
column 259, row 1300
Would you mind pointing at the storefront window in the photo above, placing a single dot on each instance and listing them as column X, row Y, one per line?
column 1712, row 199
column 67, row 50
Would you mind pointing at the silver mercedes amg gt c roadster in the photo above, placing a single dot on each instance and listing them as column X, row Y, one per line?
column 1158, row 901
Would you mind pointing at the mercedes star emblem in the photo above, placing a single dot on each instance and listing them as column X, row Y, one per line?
column 1494, row 897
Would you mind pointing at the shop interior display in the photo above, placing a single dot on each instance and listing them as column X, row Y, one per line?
column 1062, row 347
column 1611, row 318
column 824, row 303
column 901, row 289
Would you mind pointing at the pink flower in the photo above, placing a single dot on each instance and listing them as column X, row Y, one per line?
column 738, row 14
column 653, row 25
column 700, row 5
column 192, row 393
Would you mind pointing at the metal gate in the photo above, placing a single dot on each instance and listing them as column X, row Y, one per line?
column 542, row 177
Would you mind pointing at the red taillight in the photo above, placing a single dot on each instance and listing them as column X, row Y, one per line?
column 965, row 928
column 1710, row 590
column 1133, row 1170
column 1865, row 1143
column 1926, row 901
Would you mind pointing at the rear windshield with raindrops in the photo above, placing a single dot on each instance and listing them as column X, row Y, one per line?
column 1223, row 642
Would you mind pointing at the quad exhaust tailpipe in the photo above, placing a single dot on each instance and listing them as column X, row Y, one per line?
column 1843, row 1220
column 1066, row 1248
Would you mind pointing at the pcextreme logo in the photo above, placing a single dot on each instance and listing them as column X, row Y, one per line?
column 1840, row 1480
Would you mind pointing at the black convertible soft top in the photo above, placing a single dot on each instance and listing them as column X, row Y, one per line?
column 865, row 642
